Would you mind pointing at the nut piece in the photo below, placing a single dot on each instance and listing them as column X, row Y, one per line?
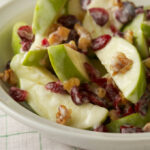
column 101, row 92
column 85, row 38
column 147, row 62
column 113, row 115
column 146, row 128
column 117, row 3
column 68, row 85
column 59, row 36
column 9, row 77
column 121, row 64
column 63, row 115
column 72, row 45
column 129, row 36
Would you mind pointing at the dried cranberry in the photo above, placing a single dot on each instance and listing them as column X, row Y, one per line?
column 128, row 111
column 142, row 105
column 116, row 32
column 130, row 129
column 25, row 33
column 8, row 65
column 45, row 42
column 100, row 15
column 84, row 4
column 68, row 21
column 73, row 36
column 56, row 87
column 18, row 94
column 26, row 45
column 79, row 97
column 148, row 14
column 139, row 10
column 101, row 128
column 126, row 13
column 100, row 42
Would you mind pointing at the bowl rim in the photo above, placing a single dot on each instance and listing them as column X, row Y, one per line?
column 22, row 114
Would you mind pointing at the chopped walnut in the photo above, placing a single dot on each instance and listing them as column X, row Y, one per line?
column 63, row 115
column 117, row 3
column 101, row 92
column 121, row 64
column 146, row 128
column 68, row 85
column 53, row 28
column 72, row 45
column 59, row 36
column 113, row 115
column 129, row 36
column 85, row 38
column 147, row 62
column 9, row 77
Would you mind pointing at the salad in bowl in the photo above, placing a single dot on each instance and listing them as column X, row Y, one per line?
column 84, row 64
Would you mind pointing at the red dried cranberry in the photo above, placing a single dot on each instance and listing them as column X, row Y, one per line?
column 100, row 15
column 126, row 13
column 116, row 32
column 56, row 87
column 73, row 36
column 100, row 42
column 68, row 21
column 101, row 128
column 128, row 111
column 25, row 33
column 18, row 94
column 148, row 14
column 84, row 4
column 142, row 105
column 45, row 42
column 26, row 45
column 139, row 10
column 130, row 129
column 78, row 97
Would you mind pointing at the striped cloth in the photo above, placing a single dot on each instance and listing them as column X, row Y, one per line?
column 16, row 136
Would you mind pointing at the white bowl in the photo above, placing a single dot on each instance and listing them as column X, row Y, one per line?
column 21, row 10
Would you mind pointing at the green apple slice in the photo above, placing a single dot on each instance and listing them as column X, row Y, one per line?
column 16, row 41
column 133, row 82
column 36, row 58
column 140, row 41
column 135, row 119
column 46, row 103
column 145, row 26
column 45, row 14
column 68, row 63
column 74, row 8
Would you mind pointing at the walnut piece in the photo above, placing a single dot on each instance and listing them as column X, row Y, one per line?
column 101, row 92
column 113, row 115
column 68, row 85
column 117, row 3
column 121, row 64
column 63, row 115
column 129, row 36
column 85, row 39
column 72, row 45
column 9, row 77
column 146, row 128
column 60, row 35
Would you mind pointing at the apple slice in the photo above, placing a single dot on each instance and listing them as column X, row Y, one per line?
column 140, row 41
column 145, row 26
column 46, row 103
column 132, row 83
column 16, row 41
column 45, row 14
column 36, row 58
column 135, row 119
column 68, row 63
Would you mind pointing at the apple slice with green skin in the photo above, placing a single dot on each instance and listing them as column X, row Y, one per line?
column 139, row 38
column 36, row 58
column 45, row 14
column 135, row 119
column 68, row 63
column 145, row 26
column 16, row 41
column 46, row 103
column 133, row 82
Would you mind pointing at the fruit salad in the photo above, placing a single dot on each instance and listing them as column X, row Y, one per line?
column 84, row 64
